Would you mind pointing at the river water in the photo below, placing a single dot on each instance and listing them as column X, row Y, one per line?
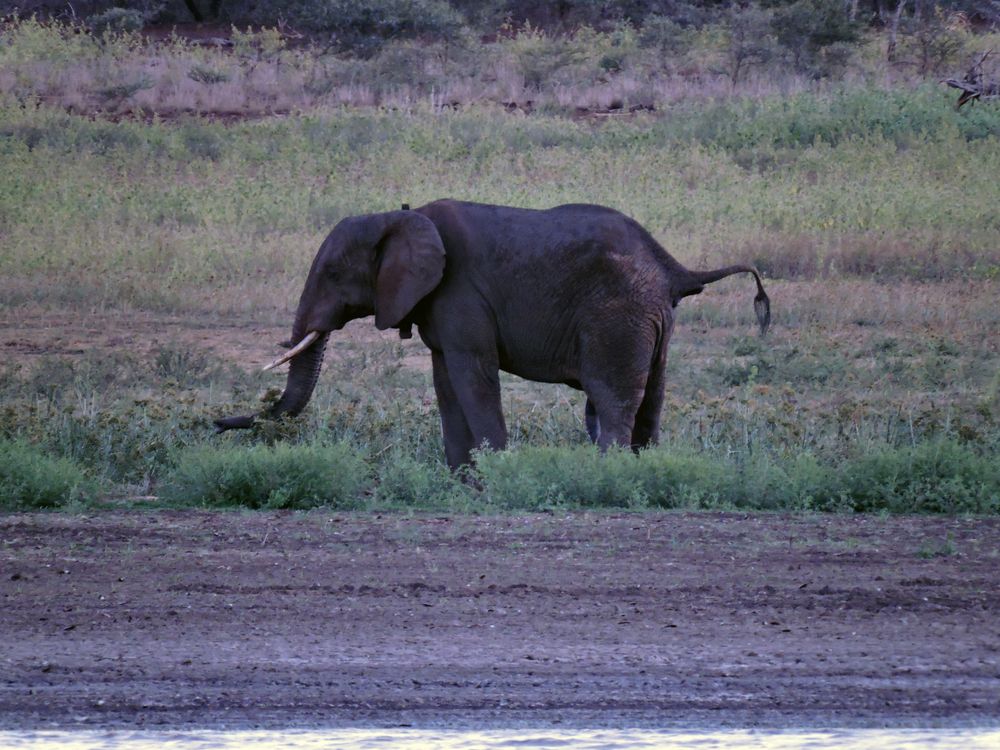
column 411, row 739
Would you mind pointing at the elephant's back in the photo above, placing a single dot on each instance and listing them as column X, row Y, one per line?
column 566, row 248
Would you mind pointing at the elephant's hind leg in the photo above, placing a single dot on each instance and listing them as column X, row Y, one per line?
column 616, row 378
column 616, row 412
column 646, row 430
column 615, row 401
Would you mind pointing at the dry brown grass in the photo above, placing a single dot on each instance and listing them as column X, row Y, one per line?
column 931, row 254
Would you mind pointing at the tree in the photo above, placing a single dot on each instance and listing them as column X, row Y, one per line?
column 808, row 28
column 363, row 27
column 212, row 12
column 935, row 41
column 749, row 39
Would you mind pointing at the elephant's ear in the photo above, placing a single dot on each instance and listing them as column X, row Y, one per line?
column 410, row 264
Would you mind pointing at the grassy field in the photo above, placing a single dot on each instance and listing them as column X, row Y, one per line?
column 144, row 260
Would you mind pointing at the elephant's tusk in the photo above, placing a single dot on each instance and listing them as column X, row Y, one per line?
column 294, row 351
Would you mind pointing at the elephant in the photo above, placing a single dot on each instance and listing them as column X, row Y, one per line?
column 577, row 294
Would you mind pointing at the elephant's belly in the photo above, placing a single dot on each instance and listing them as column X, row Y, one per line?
column 541, row 371
column 546, row 351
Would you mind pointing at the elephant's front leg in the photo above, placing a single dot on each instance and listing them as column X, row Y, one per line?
column 473, row 392
column 592, row 420
column 458, row 440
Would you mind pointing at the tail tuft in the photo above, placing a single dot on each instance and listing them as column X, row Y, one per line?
column 694, row 281
column 762, row 307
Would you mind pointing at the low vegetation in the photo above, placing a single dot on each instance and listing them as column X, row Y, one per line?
column 157, row 220
column 939, row 476
column 279, row 476
column 30, row 479
column 425, row 54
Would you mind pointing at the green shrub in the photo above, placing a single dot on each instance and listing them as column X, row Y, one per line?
column 796, row 482
column 934, row 477
column 585, row 55
column 30, row 40
column 932, row 43
column 666, row 35
column 280, row 476
column 201, row 142
column 808, row 28
column 408, row 482
column 678, row 478
column 532, row 478
column 542, row 59
column 125, row 90
column 30, row 479
column 266, row 43
column 118, row 19
column 940, row 476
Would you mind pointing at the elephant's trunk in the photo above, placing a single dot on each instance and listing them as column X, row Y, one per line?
column 303, row 372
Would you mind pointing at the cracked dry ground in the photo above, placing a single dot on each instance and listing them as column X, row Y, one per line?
column 184, row 619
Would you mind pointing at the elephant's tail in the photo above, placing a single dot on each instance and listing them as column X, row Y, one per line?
column 697, row 280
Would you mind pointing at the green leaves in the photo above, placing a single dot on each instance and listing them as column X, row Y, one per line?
column 280, row 476
column 30, row 479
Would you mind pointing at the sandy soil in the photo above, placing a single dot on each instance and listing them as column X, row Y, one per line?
column 184, row 619
column 32, row 336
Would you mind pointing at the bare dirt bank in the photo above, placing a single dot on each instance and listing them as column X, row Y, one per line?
column 186, row 619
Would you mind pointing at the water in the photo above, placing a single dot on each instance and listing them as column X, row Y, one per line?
column 411, row 739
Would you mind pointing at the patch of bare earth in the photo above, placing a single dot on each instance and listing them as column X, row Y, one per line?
column 186, row 619
column 30, row 336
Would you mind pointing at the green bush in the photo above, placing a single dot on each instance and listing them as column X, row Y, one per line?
column 531, row 478
column 206, row 75
column 30, row 479
column 118, row 19
column 940, row 476
column 542, row 59
column 280, row 476
column 678, row 478
column 808, row 28
column 408, row 482
column 666, row 35
column 934, row 477
column 31, row 41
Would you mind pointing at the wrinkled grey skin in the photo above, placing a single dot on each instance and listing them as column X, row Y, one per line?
column 577, row 294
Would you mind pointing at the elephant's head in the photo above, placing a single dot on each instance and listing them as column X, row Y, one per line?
column 380, row 265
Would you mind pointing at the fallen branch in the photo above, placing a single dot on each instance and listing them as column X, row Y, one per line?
column 973, row 84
